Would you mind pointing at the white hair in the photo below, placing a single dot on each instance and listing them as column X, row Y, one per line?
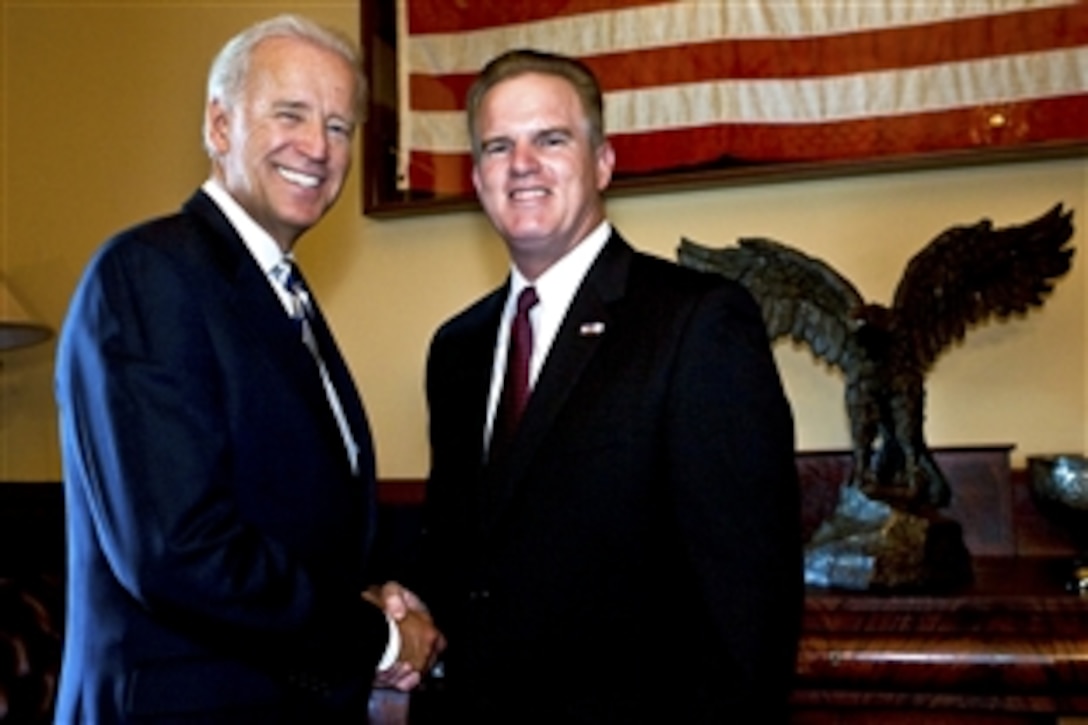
column 227, row 76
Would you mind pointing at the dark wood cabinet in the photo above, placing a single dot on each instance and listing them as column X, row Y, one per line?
column 1010, row 647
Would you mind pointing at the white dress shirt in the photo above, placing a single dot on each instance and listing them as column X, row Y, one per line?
column 269, row 256
column 555, row 289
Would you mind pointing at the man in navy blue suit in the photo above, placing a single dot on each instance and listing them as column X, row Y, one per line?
column 218, row 465
column 632, row 554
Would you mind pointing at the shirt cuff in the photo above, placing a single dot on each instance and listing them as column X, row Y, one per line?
column 392, row 649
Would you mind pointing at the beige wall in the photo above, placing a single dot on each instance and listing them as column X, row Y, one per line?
column 99, row 125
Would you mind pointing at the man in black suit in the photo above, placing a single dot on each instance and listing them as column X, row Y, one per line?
column 632, row 554
column 218, row 465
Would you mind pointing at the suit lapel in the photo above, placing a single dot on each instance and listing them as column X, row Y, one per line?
column 345, row 388
column 247, row 296
column 583, row 331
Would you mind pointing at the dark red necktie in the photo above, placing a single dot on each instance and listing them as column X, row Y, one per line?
column 515, row 386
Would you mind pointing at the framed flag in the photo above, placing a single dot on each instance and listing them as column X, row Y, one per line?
column 716, row 92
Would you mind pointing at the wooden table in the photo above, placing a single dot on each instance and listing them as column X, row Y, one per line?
column 1012, row 647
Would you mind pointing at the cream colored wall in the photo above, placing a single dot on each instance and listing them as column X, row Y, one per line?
column 101, row 107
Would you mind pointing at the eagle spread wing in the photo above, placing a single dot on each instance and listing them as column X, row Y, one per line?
column 801, row 297
column 969, row 274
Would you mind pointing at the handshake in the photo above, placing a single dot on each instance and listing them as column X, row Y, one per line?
column 420, row 641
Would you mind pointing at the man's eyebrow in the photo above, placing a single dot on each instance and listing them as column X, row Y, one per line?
column 288, row 103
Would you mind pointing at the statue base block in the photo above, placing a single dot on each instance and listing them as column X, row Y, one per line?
column 868, row 544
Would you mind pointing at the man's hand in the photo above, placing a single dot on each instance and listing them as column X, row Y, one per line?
column 421, row 641
column 395, row 600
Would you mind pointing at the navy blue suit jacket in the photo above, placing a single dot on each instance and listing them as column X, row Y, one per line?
column 636, row 556
column 217, row 537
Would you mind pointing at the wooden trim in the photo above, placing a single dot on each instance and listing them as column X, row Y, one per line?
column 401, row 491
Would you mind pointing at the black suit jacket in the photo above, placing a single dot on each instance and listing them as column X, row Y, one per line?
column 636, row 557
column 217, row 536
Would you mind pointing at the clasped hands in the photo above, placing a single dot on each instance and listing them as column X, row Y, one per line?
column 420, row 641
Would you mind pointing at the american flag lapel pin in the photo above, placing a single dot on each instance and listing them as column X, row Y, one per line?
column 591, row 329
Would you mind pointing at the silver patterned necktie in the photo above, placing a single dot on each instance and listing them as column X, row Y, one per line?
column 302, row 312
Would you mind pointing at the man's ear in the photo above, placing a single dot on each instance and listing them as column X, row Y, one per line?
column 218, row 125
column 606, row 162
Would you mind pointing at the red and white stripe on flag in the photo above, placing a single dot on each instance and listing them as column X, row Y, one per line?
column 701, row 83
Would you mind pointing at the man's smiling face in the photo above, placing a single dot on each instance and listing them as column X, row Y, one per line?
column 284, row 148
column 538, row 174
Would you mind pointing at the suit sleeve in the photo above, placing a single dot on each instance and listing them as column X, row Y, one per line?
column 150, row 437
column 737, row 499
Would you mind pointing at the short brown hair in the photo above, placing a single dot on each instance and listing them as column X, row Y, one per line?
column 523, row 60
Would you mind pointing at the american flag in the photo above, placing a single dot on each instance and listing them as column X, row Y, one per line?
column 695, row 84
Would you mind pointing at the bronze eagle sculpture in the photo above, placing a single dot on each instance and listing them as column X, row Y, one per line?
column 965, row 276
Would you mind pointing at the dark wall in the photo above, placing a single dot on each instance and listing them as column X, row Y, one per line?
column 31, row 528
column 31, row 599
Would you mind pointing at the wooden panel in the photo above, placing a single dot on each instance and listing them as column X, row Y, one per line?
column 1015, row 640
column 981, row 496
column 1035, row 534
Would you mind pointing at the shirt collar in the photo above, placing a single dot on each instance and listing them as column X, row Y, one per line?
column 259, row 242
column 560, row 281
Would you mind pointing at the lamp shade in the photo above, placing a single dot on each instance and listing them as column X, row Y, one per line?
column 16, row 327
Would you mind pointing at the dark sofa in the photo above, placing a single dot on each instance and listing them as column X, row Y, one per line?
column 31, row 599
